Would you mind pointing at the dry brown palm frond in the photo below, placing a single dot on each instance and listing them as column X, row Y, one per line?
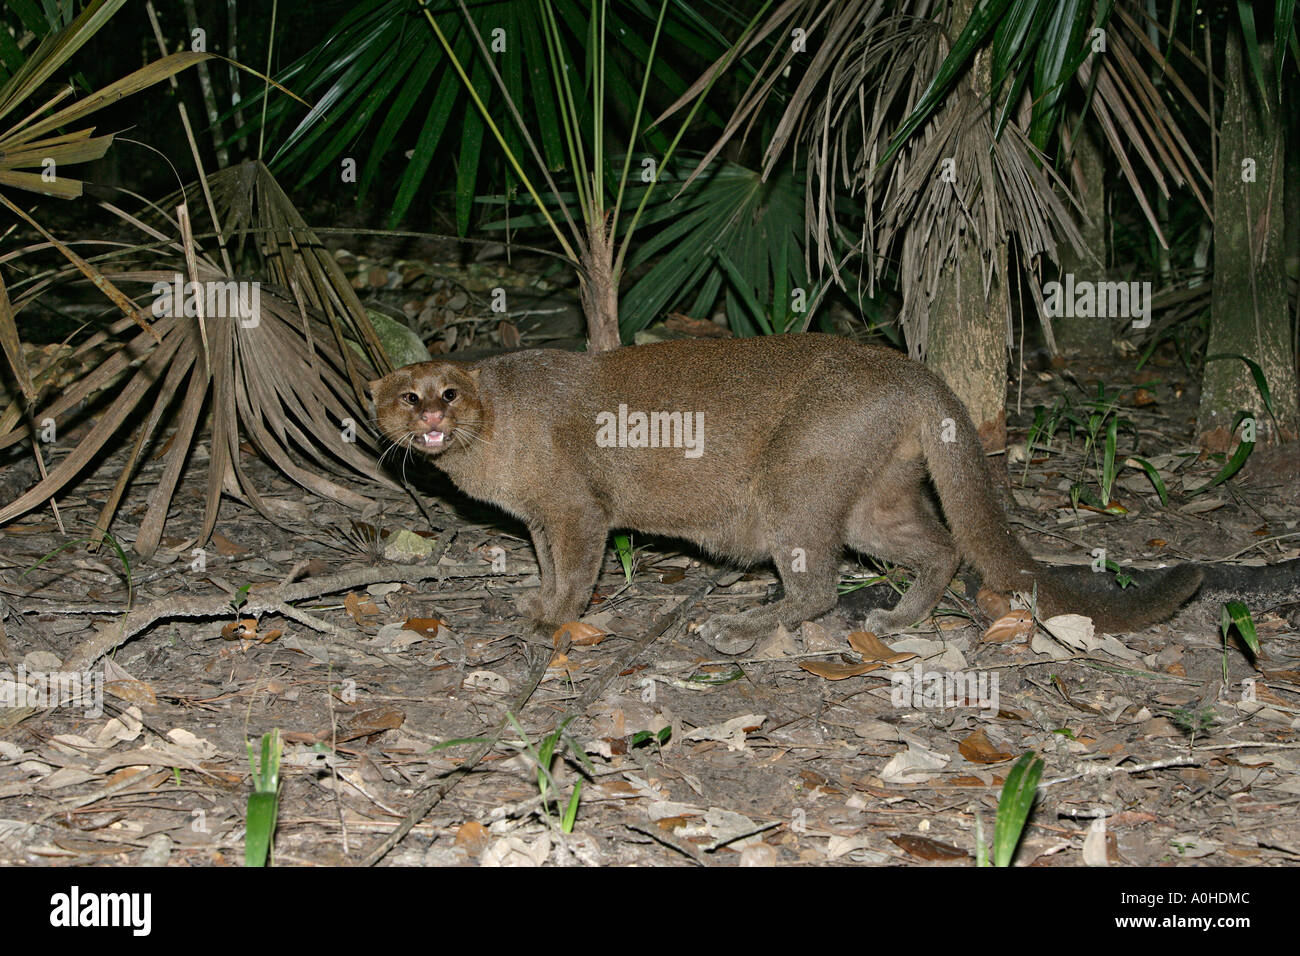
column 268, row 235
column 868, row 68
column 953, row 182
column 280, row 383
column 33, row 144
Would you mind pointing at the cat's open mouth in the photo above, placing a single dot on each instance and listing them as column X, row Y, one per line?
column 433, row 439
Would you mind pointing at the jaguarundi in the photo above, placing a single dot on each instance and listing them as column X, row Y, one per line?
column 786, row 448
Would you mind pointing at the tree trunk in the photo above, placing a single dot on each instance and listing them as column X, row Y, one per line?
column 598, row 290
column 1248, row 306
column 966, row 339
column 967, row 342
column 1079, row 337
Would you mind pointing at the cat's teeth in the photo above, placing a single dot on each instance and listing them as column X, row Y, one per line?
column 433, row 438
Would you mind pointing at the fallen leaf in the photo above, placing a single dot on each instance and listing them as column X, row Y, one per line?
column 1097, row 844
column 242, row 630
column 362, row 610
column 580, row 634
column 510, row 337
column 1072, row 630
column 873, row 649
column 731, row 732
column 132, row 691
column 425, row 626
column 366, row 723
column 488, row 680
column 977, row 748
column 816, row 637
column 225, row 546
column 926, row 849
column 473, row 836
column 913, row 765
column 834, row 670
column 1015, row 625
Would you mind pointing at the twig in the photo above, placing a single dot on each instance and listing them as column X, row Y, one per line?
column 1139, row 768
column 672, row 843
column 311, row 620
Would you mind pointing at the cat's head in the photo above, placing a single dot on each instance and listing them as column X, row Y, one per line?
column 429, row 407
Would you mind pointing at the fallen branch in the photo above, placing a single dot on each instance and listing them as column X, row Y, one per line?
column 112, row 635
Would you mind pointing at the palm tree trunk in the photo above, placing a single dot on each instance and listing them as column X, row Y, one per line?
column 966, row 340
column 598, row 289
column 1248, row 307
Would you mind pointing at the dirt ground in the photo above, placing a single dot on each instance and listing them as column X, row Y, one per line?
column 804, row 754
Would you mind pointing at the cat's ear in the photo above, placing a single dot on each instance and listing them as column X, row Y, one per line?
column 373, row 384
column 473, row 373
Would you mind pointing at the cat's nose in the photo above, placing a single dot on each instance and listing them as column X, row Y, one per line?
column 432, row 416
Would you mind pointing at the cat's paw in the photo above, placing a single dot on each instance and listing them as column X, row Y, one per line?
column 726, row 634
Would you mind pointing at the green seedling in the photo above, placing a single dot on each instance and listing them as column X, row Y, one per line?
column 1194, row 720
column 121, row 556
column 240, row 598
column 1157, row 482
column 627, row 555
column 264, row 801
column 1237, row 615
column 1013, row 808
column 1122, row 578
column 1233, row 464
column 542, row 757
column 643, row 737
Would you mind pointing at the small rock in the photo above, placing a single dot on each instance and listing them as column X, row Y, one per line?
column 407, row 547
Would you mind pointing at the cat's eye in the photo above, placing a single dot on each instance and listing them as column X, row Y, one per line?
column 449, row 395
column 410, row 398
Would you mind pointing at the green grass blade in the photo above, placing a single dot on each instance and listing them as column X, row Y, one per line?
column 1256, row 373
column 1013, row 808
column 571, row 812
column 1244, row 448
column 1250, row 44
column 623, row 546
column 1283, row 29
column 264, row 801
column 1236, row 614
column 1154, row 475
column 1108, row 459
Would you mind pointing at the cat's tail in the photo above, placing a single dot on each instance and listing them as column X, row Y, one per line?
column 957, row 465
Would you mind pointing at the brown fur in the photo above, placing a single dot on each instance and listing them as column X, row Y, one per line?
column 811, row 443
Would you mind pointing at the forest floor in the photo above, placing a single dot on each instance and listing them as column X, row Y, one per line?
column 1168, row 746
